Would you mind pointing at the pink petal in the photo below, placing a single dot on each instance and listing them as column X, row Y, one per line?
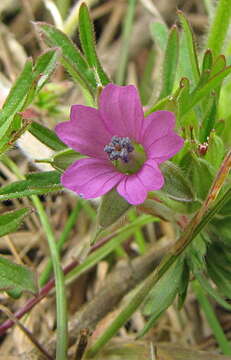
column 85, row 132
column 134, row 188
column 157, row 125
column 121, row 110
column 91, row 178
column 165, row 148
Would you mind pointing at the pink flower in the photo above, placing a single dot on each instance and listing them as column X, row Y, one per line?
column 124, row 149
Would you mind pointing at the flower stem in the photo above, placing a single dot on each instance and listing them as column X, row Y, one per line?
column 61, row 303
column 126, row 35
column 63, row 238
column 219, row 26
column 218, row 332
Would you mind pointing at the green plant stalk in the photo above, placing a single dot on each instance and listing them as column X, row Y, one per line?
column 44, row 277
column 219, row 27
column 210, row 315
column 61, row 303
column 201, row 218
column 126, row 35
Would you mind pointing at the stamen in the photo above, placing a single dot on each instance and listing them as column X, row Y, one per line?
column 119, row 148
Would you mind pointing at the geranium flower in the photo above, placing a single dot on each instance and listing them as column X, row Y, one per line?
column 124, row 149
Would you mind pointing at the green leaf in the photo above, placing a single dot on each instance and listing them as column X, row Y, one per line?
column 15, row 102
column 188, row 54
column 72, row 59
column 176, row 185
column 218, row 65
column 195, row 254
column 207, row 61
column 216, row 150
column 159, row 33
column 226, row 210
column 162, row 295
column 212, row 291
column 45, row 66
column 208, row 122
column 198, row 94
column 183, row 95
column 206, row 68
column 170, row 62
column 202, row 176
column 218, row 261
column 87, row 38
column 35, row 184
column 183, row 286
column 10, row 221
column 17, row 95
column 46, row 136
column 16, row 277
column 222, row 228
column 61, row 160
column 112, row 207
column 219, row 276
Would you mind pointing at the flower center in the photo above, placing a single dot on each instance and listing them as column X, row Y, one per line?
column 119, row 148
column 126, row 155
